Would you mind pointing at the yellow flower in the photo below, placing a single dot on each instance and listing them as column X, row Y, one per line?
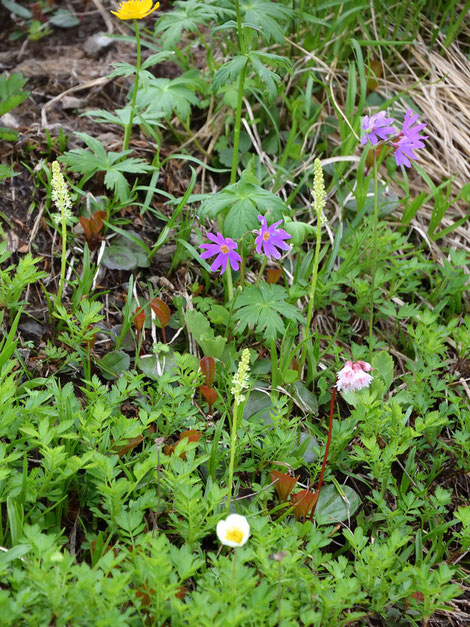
column 135, row 9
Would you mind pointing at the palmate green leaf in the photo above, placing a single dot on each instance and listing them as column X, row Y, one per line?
column 186, row 17
column 262, row 308
column 165, row 96
column 270, row 17
column 246, row 200
column 95, row 159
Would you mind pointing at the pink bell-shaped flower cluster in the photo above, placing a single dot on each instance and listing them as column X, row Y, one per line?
column 354, row 376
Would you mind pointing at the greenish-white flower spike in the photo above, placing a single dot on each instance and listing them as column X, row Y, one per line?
column 240, row 379
column 60, row 195
column 319, row 192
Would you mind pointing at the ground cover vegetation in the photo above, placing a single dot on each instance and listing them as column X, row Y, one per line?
column 235, row 346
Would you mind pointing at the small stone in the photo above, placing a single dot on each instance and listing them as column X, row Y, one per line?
column 9, row 120
column 32, row 329
column 70, row 102
column 95, row 45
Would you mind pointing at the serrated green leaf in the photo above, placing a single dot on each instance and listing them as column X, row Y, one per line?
column 165, row 96
column 186, row 17
column 242, row 217
column 246, row 197
column 267, row 76
column 262, row 308
column 230, row 71
column 153, row 59
column 270, row 18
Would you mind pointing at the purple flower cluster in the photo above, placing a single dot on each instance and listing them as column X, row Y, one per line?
column 269, row 239
column 403, row 141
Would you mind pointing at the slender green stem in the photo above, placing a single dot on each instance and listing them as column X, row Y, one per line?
column 127, row 133
column 313, row 286
column 238, row 119
column 242, row 268
column 63, row 261
column 374, row 256
column 234, row 567
column 232, row 454
column 229, row 282
column 241, row 41
column 313, row 283
column 261, row 271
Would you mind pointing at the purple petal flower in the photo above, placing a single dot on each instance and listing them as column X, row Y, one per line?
column 411, row 132
column 408, row 140
column 376, row 127
column 404, row 151
column 224, row 249
column 270, row 238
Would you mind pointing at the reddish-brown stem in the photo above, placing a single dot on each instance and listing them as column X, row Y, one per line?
column 163, row 334
column 327, row 449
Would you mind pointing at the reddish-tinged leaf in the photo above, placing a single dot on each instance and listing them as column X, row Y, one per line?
column 169, row 450
column 92, row 226
column 131, row 443
column 303, row 502
column 375, row 73
column 273, row 275
column 210, row 396
column 370, row 156
column 284, row 484
column 207, row 365
column 417, row 596
column 162, row 311
column 91, row 342
column 144, row 596
column 139, row 319
column 193, row 435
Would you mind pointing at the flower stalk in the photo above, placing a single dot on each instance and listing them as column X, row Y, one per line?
column 238, row 119
column 374, row 255
column 127, row 132
column 239, row 384
column 327, row 450
column 61, row 198
column 319, row 204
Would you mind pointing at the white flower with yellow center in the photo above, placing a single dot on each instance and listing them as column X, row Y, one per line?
column 234, row 530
